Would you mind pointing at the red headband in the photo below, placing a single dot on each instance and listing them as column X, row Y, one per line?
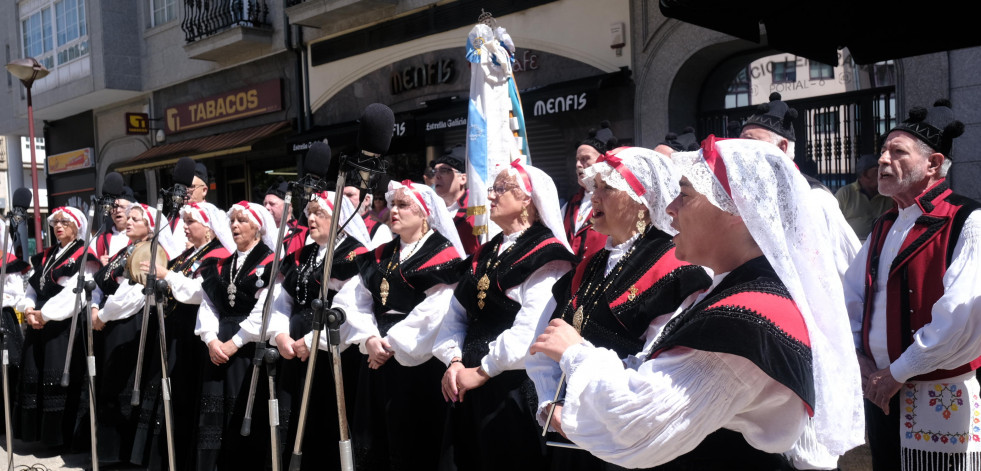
column 408, row 184
column 146, row 212
column 203, row 214
column 711, row 155
column 616, row 163
column 65, row 210
column 525, row 180
column 326, row 197
column 245, row 205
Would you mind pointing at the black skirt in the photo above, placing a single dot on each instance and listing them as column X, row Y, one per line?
column 45, row 412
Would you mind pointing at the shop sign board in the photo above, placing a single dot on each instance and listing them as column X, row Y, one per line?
column 265, row 97
column 71, row 160
column 137, row 124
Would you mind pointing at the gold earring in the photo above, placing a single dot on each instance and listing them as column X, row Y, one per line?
column 524, row 213
column 641, row 224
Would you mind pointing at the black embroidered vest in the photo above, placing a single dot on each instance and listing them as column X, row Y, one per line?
column 617, row 310
column 68, row 266
column 251, row 277
column 532, row 250
column 190, row 261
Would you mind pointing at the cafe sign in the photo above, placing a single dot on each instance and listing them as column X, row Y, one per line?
column 258, row 99
column 72, row 160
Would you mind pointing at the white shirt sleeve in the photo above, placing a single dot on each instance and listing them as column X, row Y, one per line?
column 449, row 339
column 280, row 313
column 28, row 301
column 510, row 349
column 185, row 290
column 251, row 328
column 647, row 417
column 206, row 326
column 953, row 336
column 13, row 289
column 356, row 302
column 413, row 337
column 854, row 286
column 124, row 303
column 62, row 305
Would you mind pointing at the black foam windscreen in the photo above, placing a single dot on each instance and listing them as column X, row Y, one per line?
column 113, row 186
column 317, row 160
column 184, row 171
column 22, row 198
column 377, row 125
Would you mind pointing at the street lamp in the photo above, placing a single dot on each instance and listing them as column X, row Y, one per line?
column 28, row 70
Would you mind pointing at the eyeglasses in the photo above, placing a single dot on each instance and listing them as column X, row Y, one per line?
column 446, row 171
column 195, row 187
column 60, row 222
column 500, row 189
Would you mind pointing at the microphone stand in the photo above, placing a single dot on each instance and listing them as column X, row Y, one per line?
column 334, row 318
column 83, row 287
column 267, row 354
column 8, row 429
column 149, row 288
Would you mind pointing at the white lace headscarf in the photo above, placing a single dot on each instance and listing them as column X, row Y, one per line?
column 648, row 177
column 259, row 216
column 439, row 219
column 72, row 214
column 540, row 187
column 355, row 228
column 773, row 200
column 213, row 218
column 166, row 237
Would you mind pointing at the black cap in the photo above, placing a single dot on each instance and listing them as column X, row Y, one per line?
column 127, row 194
column 455, row 157
column 601, row 139
column 279, row 190
column 684, row 142
column 201, row 172
column 775, row 116
column 935, row 126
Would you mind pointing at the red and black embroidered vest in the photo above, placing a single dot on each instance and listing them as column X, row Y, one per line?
column 67, row 266
column 915, row 277
column 586, row 241
column 617, row 309
column 295, row 237
column 489, row 310
column 253, row 275
column 464, row 221
column 749, row 314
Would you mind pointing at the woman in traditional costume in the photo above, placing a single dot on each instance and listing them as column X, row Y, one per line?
column 120, row 321
column 230, row 323
column 292, row 324
column 206, row 229
column 394, row 312
column 47, row 412
column 614, row 294
column 495, row 310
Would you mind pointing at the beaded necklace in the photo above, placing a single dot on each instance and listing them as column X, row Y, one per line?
column 235, row 271
column 395, row 263
column 54, row 261
column 593, row 292
column 309, row 268
column 483, row 284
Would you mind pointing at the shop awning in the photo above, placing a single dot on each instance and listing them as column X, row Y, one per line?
column 233, row 142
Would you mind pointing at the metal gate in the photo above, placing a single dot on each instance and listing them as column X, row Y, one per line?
column 832, row 131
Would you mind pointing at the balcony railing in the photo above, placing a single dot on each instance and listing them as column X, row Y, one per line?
column 203, row 18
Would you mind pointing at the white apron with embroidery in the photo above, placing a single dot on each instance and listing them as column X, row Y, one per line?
column 941, row 417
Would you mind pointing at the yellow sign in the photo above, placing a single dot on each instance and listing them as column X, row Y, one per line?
column 265, row 97
column 71, row 160
column 137, row 123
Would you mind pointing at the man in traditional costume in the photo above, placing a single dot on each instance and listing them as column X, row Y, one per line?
column 912, row 295
column 295, row 236
column 578, row 210
column 750, row 374
column 451, row 186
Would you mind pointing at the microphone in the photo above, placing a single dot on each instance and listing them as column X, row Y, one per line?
column 377, row 125
column 21, row 201
column 183, row 178
column 315, row 166
column 111, row 189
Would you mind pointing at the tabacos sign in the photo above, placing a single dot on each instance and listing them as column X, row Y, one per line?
column 262, row 98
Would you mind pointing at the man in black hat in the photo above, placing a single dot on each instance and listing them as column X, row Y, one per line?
column 198, row 191
column 114, row 238
column 914, row 298
column 860, row 200
column 674, row 142
column 578, row 211
column 296, row 235
column 451, row 185
column 773, row 122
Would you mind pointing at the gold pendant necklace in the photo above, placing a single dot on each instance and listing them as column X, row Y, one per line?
column 393, row 263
